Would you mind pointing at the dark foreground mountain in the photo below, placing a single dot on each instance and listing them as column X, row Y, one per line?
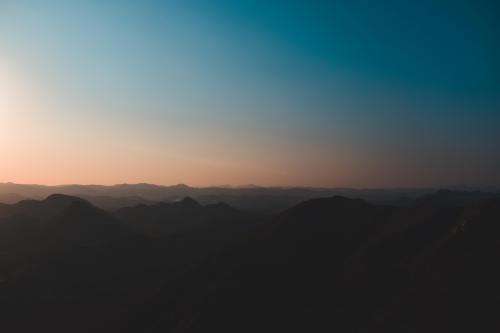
column 344, row 265
column 32, row 232
column 325, row 265
column 77, row 268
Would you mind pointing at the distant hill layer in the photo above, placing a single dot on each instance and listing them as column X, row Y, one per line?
column 251, row 197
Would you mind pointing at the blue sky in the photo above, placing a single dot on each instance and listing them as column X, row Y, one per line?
column 323, row 93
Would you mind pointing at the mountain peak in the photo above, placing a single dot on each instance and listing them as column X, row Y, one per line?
column 188, row 201
column 62, row 198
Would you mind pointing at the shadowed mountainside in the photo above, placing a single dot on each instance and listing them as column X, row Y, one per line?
column 340, row 264
column 163, row 219
column 33, row 231
column 332, row 264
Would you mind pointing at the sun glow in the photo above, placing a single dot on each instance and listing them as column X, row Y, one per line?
column 20, row 122
column 18, row 99
column 10, row 90
column 17, row 102
column 7, row 101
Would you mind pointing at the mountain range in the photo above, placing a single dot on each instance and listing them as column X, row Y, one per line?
column 258, row 199
column 325, row 264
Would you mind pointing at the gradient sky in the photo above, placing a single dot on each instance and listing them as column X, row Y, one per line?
column 320, row 93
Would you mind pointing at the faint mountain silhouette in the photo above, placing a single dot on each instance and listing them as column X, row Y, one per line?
column 11, row 198
column 164, row 219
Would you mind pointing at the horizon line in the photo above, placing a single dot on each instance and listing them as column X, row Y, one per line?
column 249, row 186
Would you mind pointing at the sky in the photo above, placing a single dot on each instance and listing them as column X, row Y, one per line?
column 346, row 93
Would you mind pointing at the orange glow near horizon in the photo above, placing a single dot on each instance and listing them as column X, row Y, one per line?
column 42, row 144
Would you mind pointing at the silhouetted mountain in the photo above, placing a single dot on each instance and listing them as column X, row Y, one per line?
column 284, row 279
column 81, row 224
column 457, row 198
column 112, row 204
column 11, row 198
column 105, row 271
column 249, row 198
column 331, row 264
column 343, row 265
column 459, row 280
column 32, row 231
column 164, row 219
column 47, row 208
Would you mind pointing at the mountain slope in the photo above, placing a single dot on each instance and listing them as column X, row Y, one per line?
column 283, row 279
column 31, row 232
column 325, row 265
column 106, row 281
column 343, row 265
column 187, row 215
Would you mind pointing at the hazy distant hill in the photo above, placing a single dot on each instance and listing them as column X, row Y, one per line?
column 112, row 204
column 11, row 198
column 250, row 197
column 163, row 219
